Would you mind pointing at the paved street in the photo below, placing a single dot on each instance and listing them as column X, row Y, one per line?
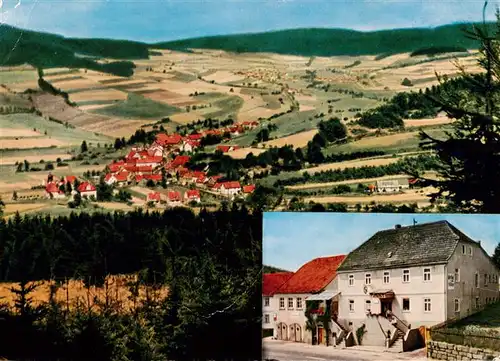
column 292, row 351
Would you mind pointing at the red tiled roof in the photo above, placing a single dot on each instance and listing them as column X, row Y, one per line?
column 150, row 160
column 139, row 177
column 130, row 167
column 144, row 168
column 271, row 282
column 193, row 193
column 154, row 196
column 86, row 187
column 180, row 160
column 213, row 132
column 166, row 139
column 122, row 176
column 174, row 196
column 313, row 276
column 194, row 136
column 193, row 143
column 52, row 188
column 223, row 148
column 154, row 177
column 249, row 188
column 131, row 154
column 231, row 185
column 70, row 178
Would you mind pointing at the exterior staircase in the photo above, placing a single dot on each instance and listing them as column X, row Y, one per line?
column 397, row 345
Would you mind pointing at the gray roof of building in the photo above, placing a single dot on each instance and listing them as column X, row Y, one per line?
column 426, row 243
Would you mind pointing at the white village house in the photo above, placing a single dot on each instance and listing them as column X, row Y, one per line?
column 407, row 277
column 392, row 185
column 271, row 282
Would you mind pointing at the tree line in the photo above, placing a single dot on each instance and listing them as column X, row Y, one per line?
column 209, row 262
column 410, row 105
column 407, row 165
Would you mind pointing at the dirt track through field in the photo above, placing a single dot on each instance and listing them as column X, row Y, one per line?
column 298, row 140
column 376, row 162
column 4, row 160
column 407, row 197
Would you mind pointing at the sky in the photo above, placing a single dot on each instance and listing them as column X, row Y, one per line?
column 163, row 20
column 294, row 238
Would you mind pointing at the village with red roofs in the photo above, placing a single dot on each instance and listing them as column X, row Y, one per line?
column 160, row 174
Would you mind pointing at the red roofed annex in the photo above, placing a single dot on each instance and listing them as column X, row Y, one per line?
column 313, row 276
column 271, row 282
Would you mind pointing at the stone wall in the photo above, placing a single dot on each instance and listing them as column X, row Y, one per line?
column 450, row 352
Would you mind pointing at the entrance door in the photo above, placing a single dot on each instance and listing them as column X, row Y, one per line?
column 295, row 333
column 386, row 306
column 281, row 331
column 335, row 309
column 321, row 336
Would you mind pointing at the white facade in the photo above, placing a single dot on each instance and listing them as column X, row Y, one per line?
column 291, row 321
column 229, row 191
column 55, row 195
column 392, row 185
column 423, row 295
column 269, row 313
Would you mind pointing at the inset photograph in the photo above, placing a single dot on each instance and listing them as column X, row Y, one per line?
column 364, row 286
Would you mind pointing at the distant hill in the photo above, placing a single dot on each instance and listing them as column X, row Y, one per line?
column 331, row 42
column 18, row 47
column 271, row 269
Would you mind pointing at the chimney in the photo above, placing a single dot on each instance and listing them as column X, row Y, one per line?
column 479, row 242
column 397, row 226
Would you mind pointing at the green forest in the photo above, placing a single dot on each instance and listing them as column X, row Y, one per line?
column 331, row 42
column 44, row 50
column 210, row 263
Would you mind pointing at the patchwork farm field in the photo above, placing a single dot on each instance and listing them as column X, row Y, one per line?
column 290, row 94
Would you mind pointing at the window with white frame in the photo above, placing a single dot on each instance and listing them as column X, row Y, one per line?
column 406, row 275
column 368, row 305
column 351, row 280
column 427, row 274
column 387, row 277
column 266, row 301
column 485, row 280
column 282, row 303
column 290, row 303
column 470, row 250
column 406, row 304
column 427, row 305
column 476, row 280
column 266, row 318
column 457, row 275
column 351, row 305
column 463, row 248
column 478, row 302
column 457, row 305
column 368, row 278
column 299, row 303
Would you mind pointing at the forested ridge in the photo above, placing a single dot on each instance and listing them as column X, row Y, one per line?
column 210, row 263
